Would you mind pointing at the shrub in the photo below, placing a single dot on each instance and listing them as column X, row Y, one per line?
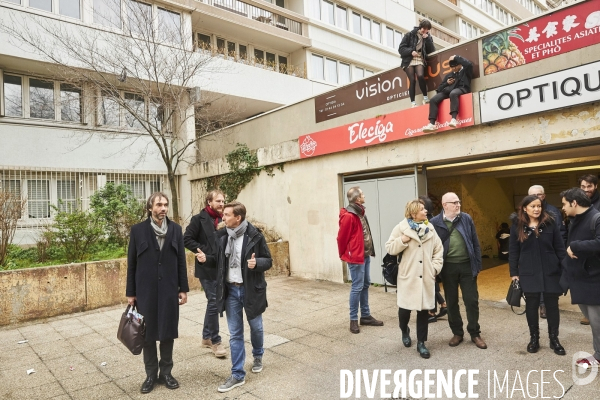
column 75, row 233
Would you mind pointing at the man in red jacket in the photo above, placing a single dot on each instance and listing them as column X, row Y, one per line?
column 355, row 246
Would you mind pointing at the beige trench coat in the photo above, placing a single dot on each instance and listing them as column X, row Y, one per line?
column 422, row 260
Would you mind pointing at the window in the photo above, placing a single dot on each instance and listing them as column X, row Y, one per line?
column 397, row 39
column 359, row 73
column 204, row 41
column 70, row 103
column 259, row 56
column 389, row 37
column 377, row 32
column 140, row 14
column 13, row 187
column 45, row 5
column 38, row 198
column 137, row 188
column 366, row 27
column 271, row 63
column 283, row 68
column 41, row 99
column 315, row 9
column 368, row 73
column 317, row 67
column 107, row 13
column 341, row 17
column 14, row 1
column 109, row 111
column 243, row 52
column 344, row 73
column 331, row 75
column 69, row 8
column 154, row 186
column 135, row 103
column 221, row 46
column 66, row 195
column 356, row 23
column 328, row 13
column 169, row 26
column 231, row 49
column 13, row 96
column 156, row 114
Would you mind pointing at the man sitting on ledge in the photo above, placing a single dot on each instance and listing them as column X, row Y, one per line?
column 456, row 83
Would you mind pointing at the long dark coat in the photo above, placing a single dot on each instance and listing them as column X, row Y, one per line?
column 200, row 234
column 156, row 277
column 255, row 286
column 537, row 261
column 583, row 273
column 408, row 44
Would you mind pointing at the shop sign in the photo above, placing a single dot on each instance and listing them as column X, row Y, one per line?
column 383, row 129
column 560, row 89
column 548, row 36
column 389, row 86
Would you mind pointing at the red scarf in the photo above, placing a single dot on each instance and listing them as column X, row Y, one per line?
column 214, row 215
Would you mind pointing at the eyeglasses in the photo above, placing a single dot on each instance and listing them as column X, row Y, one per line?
column 456, row 203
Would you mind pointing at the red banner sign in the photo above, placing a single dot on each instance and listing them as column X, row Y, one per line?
column 383, row 129
column 548, row 36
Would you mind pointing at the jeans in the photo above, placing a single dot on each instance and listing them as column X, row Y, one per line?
column 151, row 358
column 234, row 309
column 211, row 317
column 359, row 292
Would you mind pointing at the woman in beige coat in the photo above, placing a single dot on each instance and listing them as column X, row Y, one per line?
column 422, row 259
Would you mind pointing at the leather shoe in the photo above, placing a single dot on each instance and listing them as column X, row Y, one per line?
column 455, row 341
column 148, row 384
column 479, row 342
column 584, row 321
column 406, row 338
column 169, row 381
column 432, row 318
column 543, row 311
column 354, row 326
column 443, row 312
column 370, row 321
column 423, row 352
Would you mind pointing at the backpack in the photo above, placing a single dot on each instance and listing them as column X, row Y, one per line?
column 390, row 268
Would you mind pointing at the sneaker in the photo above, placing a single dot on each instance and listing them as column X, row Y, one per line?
column 453, row 123
column 219, row 350
column 429, row 128
column 425, row 100
column 207, row 343
column 587, row 362
column 413, row 104
column 229, row 384
column 257, row 365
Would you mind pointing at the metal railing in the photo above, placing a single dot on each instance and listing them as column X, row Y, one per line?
column 258, row 14
column 455, row 2
column 443, row 35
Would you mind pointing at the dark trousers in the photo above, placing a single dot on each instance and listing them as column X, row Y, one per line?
column 439, row 299
column 151, row 358
column 435, row 101
column 422, row 322
column 532, row 309
column 211, row 316
column 453, row 277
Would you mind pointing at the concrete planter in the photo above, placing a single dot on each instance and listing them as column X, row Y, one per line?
column 44, row 292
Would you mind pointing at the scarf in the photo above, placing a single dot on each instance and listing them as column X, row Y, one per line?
column 214, row 215
column 419, row 227
column 159, row 231
column 234, row 257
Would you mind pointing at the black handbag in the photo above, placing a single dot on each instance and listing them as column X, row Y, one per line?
column 132, row 331
column 514, row 295
column 390, row 268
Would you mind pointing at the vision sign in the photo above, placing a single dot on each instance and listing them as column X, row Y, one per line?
column 389, row 86
column 382, row 129
column 565, row 88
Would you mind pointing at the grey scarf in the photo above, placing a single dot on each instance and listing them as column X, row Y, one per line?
column 159, row 231
column 234, row 257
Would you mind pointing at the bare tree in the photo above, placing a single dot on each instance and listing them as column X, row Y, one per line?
column 11, row 208
column 140, row 70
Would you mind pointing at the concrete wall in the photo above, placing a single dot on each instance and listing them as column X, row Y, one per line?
column 34, row 293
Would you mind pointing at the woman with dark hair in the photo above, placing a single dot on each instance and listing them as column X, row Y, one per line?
column 414, row 48
column 535, row 254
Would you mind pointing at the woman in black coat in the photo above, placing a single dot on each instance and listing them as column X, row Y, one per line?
column 535, row 254
column 414, row 48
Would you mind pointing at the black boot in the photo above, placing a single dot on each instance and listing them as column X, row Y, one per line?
column 554, row 343
column 534, row 342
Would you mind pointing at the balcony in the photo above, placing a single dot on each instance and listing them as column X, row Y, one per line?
column 257, row 14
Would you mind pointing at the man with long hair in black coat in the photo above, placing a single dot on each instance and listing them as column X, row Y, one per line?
column 157, row 284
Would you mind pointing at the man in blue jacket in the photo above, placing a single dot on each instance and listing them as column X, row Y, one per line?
column 462, row 263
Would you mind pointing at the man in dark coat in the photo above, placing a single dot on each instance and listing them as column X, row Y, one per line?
column 157, row 284
column 455, row 84
column 242, row 258
column 589, row 184
column 582, row 266
column 199, row 239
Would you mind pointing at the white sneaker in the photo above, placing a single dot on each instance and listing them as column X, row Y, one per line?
column 413, row 104
column 425, row 100
column 429, row 128
column 453, row 123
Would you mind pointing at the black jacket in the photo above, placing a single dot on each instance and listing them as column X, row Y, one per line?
column 596, row 200
column 157, row 277
column 199, row 234
column 558, row 218
column 255, row 300
column 537, row 261
column 409, row 44
column 462, row 79
column 583, row 273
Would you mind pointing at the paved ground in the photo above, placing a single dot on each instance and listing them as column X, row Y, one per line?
column 308, row 343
